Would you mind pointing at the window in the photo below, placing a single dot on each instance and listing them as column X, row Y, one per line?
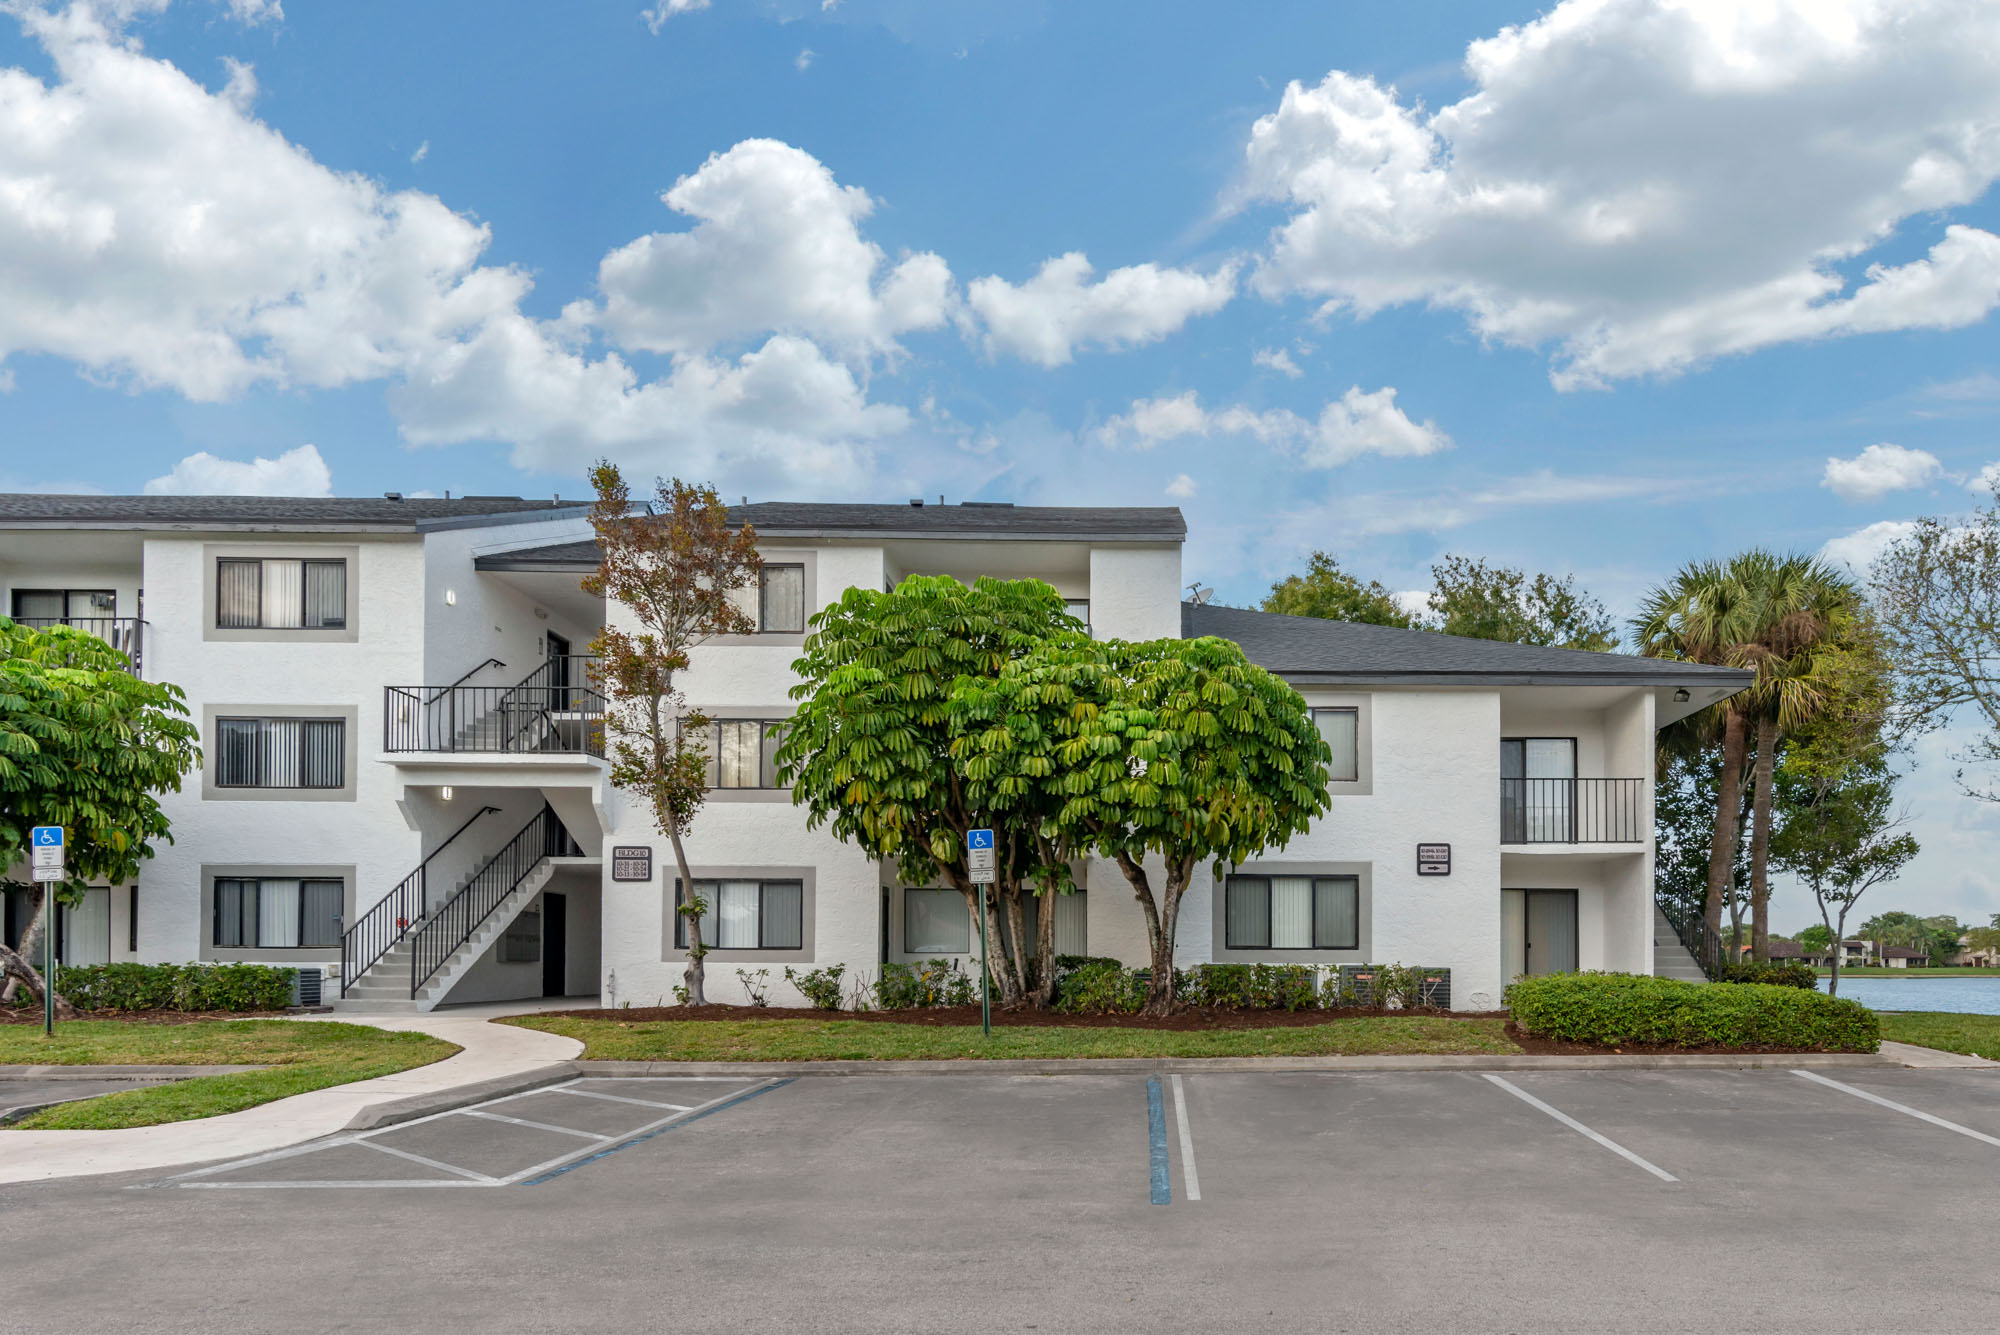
column 280, row 594
column 64, row 605
column 1080, row 609
column 747, row 915
column 742, row 753
column 1537, row 790
column 1293, row 913
column 1072, row 922
column 935, row 922
column 281, row 753
column 781, row 600
column 277, row 912
column 1342, row 730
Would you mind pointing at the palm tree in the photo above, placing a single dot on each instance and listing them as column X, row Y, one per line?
column 1709, row 613
column 1807, row 611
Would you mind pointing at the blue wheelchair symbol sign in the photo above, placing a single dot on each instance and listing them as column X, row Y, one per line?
column 51, row 836
column 979, row 838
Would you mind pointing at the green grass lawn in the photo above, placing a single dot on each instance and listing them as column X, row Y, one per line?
column 302, row 1056
column 1951, row 971
column 859, row 1040
column 1975, row 1035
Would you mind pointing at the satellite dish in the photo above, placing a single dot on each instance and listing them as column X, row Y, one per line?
column 1200, row 594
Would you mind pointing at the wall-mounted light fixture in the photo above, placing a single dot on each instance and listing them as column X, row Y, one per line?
column 1681, row 696
column 451, row 597
column 445, row 792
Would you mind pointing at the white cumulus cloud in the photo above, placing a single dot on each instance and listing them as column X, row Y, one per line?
column 775, row 246
column 1276, row 359
column 1046, row 319
column 1879, row 470
column 1646, row 185
column 656, row 17
column 1858, row 550
column 1182, row 487
column 1357, row 423
column 297, row 472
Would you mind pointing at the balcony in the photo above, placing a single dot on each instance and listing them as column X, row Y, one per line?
column 122, row 633
column 1573, row 811
column 553, row 711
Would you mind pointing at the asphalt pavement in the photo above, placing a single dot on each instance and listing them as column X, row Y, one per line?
column 1682, row 1200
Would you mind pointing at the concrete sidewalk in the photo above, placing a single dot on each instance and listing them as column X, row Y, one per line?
column 490, row 1052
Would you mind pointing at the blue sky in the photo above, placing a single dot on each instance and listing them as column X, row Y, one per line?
column 1601, row 289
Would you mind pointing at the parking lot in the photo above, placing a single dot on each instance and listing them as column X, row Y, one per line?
column 1531, row 1200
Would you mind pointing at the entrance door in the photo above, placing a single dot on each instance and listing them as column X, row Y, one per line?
column 1537, row 932
column 559, row 682
column 555, row 945
column 1537, row 790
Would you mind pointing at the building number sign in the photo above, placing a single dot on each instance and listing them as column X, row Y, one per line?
column 1433, row 859
column 634, row 863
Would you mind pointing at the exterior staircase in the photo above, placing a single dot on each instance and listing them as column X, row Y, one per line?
column 407, row 953
column 1671, row 959
column 384, row 989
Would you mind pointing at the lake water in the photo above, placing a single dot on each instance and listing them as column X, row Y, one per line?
column 1975, row 996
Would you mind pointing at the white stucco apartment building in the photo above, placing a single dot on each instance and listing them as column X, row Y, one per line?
column 399, row 790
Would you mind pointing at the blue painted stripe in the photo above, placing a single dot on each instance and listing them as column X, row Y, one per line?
column 744, row 1097
column 1156, row 1119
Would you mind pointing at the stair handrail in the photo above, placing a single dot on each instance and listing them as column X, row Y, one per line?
column 1700, row 940
column 473, row 671
column 379, row 929
column 458, row 918
column 505, row 706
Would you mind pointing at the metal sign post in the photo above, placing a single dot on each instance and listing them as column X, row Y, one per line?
column 979, row 865
column 48, row 847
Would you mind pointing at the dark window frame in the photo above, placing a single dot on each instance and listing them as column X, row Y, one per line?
column 304, row 563
column 764, row 626
column 339, row 752
column 1230, row 940
column 1355, row 710
column 764, row 884
column 252, row 893
column 766, row 749
column 908, row 949
column 67, row 617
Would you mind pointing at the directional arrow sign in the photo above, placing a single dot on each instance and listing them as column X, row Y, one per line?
column 979, row 856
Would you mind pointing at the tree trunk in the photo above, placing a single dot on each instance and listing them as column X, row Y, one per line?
column 20, row 972
column 1017, row 938
column 696, row 950
column 1045, row 950
column 1160, row 920
column 1760, row 840
column 997, row 968
column 1728, row 811
column 30, row 949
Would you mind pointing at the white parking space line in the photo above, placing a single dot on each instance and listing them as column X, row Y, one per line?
column 539, row 1126
column 616, row 1098
column 1581, row 1129
column 1189, row 1180
column 1898, row 1107
column 428, row 1163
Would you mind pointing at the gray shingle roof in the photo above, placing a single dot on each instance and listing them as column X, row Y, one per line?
column 28, row 509
column 808, row 519
column 1311, row 650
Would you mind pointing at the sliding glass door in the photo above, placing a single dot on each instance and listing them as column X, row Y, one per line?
column 1537, row 790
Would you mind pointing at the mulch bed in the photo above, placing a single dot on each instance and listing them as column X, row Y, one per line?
column 1189, row 1019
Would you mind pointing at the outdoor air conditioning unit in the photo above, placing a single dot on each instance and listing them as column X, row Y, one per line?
column 306, row 987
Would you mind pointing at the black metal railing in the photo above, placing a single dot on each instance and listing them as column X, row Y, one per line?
column 1573, row 811
column 1701, row 941
column 554, row 708
column 125, row 634
column 377, row 931
column 454, row 922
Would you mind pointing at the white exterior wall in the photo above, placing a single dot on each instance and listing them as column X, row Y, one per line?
column 274, row 676
column 1135, row 592
column 488, row 617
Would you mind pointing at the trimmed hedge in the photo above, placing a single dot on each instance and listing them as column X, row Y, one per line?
column 1290, row 987
column 1616, row 1010
column 176, row 987
column 1775, row 972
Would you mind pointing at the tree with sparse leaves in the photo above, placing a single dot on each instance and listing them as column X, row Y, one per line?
column 673, row 571
column 86, row 745
column 1494, row 602
column 1842, row 836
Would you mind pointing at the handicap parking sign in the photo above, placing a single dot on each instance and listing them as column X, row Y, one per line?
column 979, row 839
column 47, row 843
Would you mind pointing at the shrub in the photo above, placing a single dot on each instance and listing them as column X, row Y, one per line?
column 1290, row 987
column 176, row 987
column 932, row 983
column 1100, row 985
column 1619, row 1009
column 1779, row 974
column 820, row 987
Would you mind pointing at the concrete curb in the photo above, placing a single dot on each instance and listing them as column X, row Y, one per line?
column 460, row 1096
column 150, row 1073
column 1188, row 1065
